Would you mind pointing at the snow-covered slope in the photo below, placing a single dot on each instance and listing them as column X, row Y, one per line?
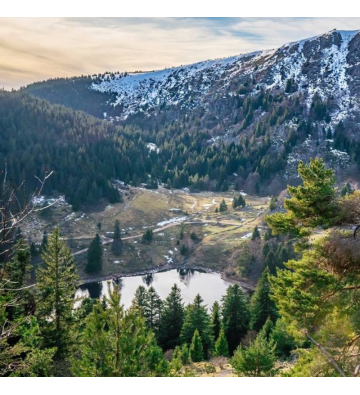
column 328, row 65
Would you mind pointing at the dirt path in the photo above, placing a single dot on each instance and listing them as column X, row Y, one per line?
column 106, row 240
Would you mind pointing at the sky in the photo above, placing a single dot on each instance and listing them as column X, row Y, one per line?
column 35, row 49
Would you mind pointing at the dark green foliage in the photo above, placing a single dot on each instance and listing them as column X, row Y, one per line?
column 245, row 260
column 184, row 250
column 283, row 339
column 147, row 236
column 194, row 236
column 268, row 234
column 116, row 343
column 140, row 301
column 291, row 86
column 256, row 234
column 82, row 151
column 197, row 318
column 270, row 262
column 239, row 202
column 236, row 315
column 95, row 256
column 152, row 310
column 172, row 316
column 149, row 304
column 221, row 345
column 223, row 206
column 262, row 307
column 56, row 285
column 116, row 246
column 216, row 319
column 196, row 348
column 44, row 241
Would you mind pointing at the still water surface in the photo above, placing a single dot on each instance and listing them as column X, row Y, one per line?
column 210, row 286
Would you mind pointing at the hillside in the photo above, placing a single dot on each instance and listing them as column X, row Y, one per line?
column 277, row 106
column 83, row 152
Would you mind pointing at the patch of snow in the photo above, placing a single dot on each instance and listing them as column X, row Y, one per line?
column 172, row 221
column 247, row 236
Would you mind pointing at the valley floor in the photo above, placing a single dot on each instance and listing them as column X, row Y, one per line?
column 214, row 246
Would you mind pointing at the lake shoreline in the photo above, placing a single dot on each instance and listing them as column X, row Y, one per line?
column 246, row 286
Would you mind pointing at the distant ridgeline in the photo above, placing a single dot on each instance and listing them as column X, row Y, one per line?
column 244, row 121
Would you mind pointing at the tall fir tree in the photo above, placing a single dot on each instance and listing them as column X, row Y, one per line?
column 196, row 348
column 221, row 345
column 95, row 256
column 172, row 317
column 55, row 290
column 44, row 241
column 235, row 314
column 197, row 317
column 262, row 307
column 116, row 246
column 256, row 234
column 152, row 311
column 216, row 319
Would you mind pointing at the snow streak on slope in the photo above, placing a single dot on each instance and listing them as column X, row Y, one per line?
column 141, row 91
column 317, row 66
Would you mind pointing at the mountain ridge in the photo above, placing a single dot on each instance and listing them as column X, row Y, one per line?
column 277, row 106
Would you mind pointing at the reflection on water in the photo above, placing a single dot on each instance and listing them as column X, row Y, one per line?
column 191, row 282
column 93, row 289
column 148, row 279
column 185, row 275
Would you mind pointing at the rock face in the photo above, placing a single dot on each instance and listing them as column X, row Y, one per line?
column 327, row 65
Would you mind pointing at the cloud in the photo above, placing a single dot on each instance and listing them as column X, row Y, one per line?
column 33, row 49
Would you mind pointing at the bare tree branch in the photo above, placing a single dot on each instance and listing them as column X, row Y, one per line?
column 327, row 355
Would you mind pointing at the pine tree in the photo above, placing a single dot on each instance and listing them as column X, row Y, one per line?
column 256, row 234
column 44, row 241
column 196, row 348
column 172, row 317
column 221, row 345
column 270, row 262
column 152, row 311
column 239, row 202
column 236, row 316
column 223, row 206
column 116, row 343
column 268, row 234
column 262, row 307
column 140, row 301
column 56, row 286
column 147, row 236
column 257, row 360
column 185, row 354
column 216, row 319
column 17, row 272
column 116, row 246
column 197, row 317
column 95, row 256
column 311, row 204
